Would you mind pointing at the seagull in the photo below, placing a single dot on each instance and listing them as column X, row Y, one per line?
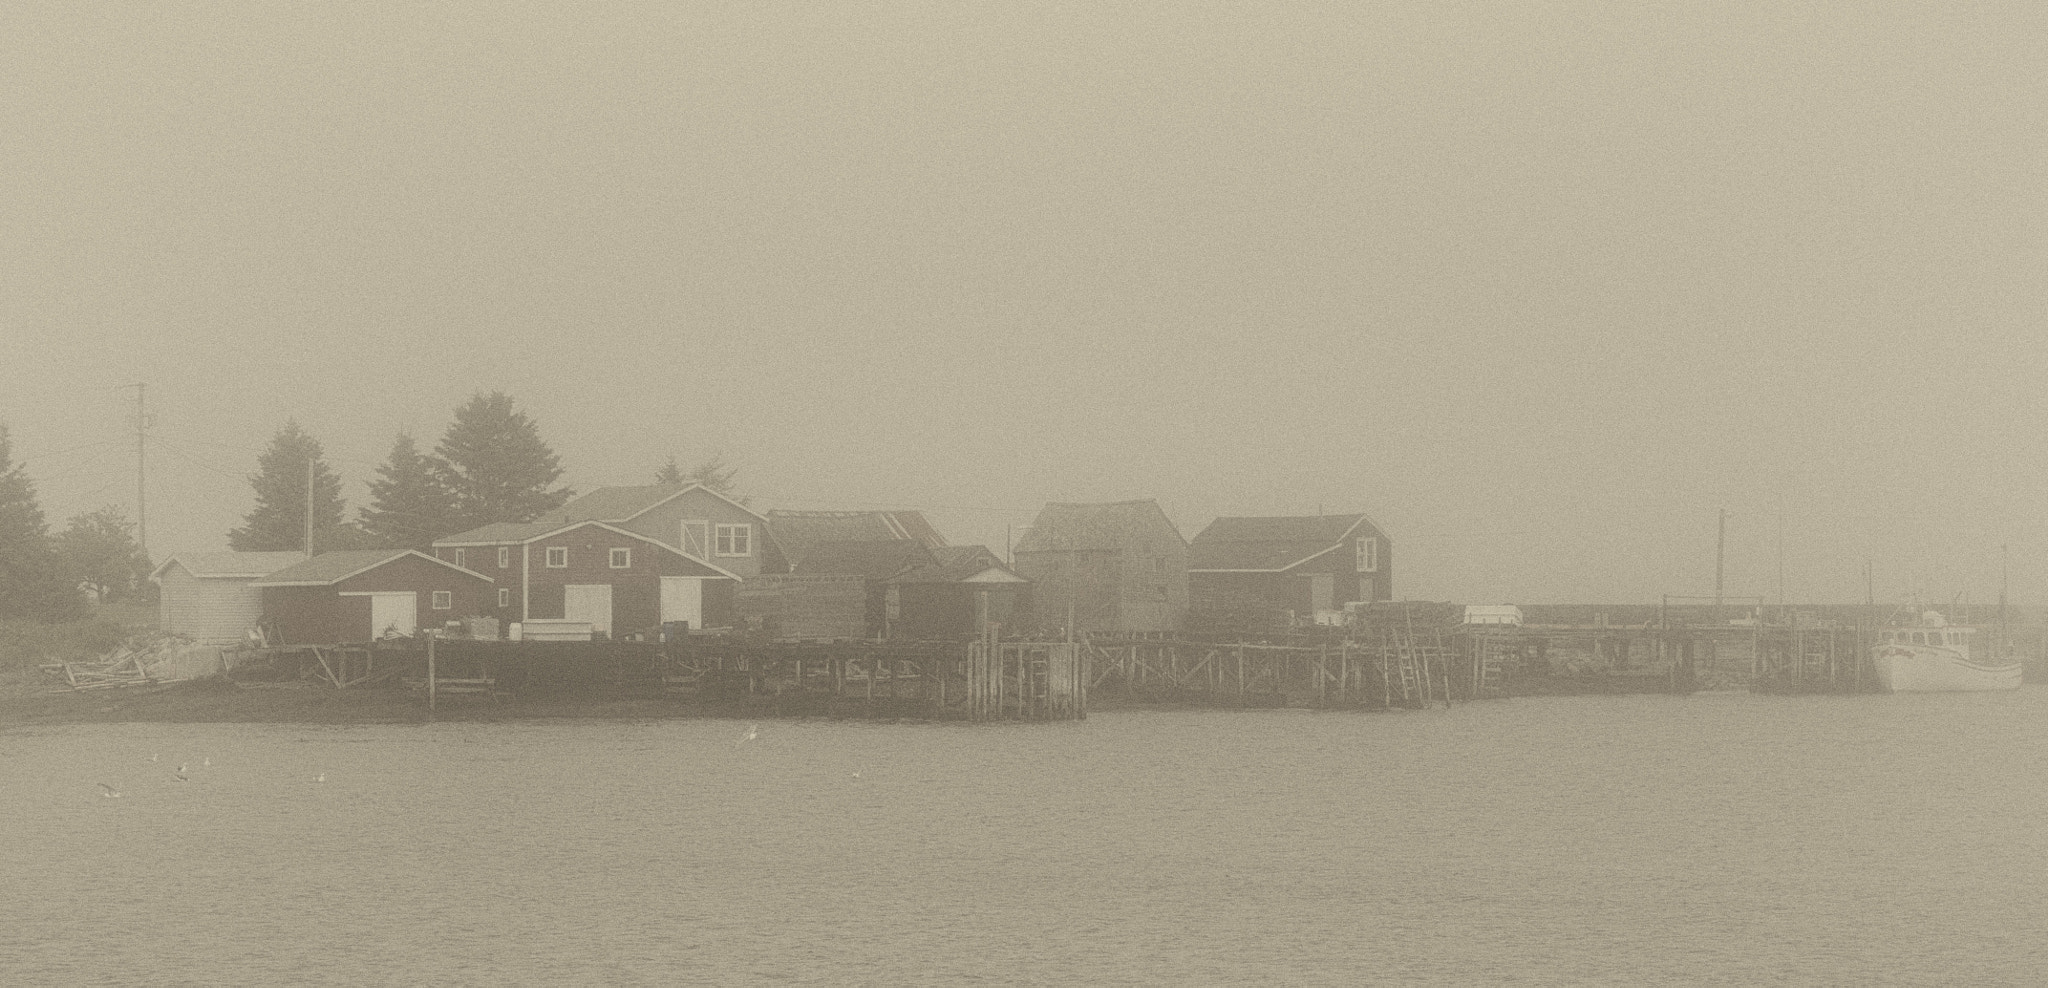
column 109, row 791
column 206, row 762
column 183, row 768
column 856, row 775
column 322, row 777
column 152, row 756
column 753, row 731
column 181, row 777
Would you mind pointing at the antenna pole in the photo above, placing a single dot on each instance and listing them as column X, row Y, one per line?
column 309, row 507
column 141, row 501
column 1720, row 559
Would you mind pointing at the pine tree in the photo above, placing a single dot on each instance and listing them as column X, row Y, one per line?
column 712, row 473
column 278, row 522
column 410, row 506
column 34, row 583
column 498, row 468
column 100, row 549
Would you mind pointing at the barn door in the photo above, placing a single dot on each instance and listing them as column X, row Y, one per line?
column 697, row 539
column 1323, row 591
column 391, row 612
column 590, row 602
column 682, row 599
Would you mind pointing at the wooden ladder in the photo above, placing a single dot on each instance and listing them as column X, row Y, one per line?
column 1411, row 675
column 1490, row 675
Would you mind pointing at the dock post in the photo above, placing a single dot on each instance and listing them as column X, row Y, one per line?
column 431, row 687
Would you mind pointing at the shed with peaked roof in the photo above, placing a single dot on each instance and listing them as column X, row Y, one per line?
column 1113, row 568
column 209, row 597
column 363, row 594
column 1264, row 574
column 951, row 596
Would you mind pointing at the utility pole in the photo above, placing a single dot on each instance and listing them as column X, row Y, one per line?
column 1720, row 559
column 309, row 507
column 141, row 501
column 1781, row 549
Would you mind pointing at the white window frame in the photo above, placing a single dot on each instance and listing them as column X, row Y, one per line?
column 461, row 559
column 1369, row 554
column 504, row 557
column 444, row 600
column 504, row 596
column 564, row 557
column 740, row 537
column 618, row 553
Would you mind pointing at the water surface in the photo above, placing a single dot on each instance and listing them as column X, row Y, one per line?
column 1714, row 839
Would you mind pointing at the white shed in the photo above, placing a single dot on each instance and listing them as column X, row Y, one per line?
column 1493, row 614
column 210, row 596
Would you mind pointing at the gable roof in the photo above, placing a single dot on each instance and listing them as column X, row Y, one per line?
column 1268, row 545
column 227, row 565
column 329, row 568
column 500, row 533
column 877, row 559
column 1112, row 525
column 959, row 563
column 799, row 532
column 627, row 503
column 610, row 504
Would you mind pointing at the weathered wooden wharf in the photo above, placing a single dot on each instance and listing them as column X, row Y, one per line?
column 1405, row 657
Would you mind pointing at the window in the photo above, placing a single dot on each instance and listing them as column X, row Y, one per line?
column 1368, row 555
column 444, row 600
column 735, row 540
column 622, row 559
column 504, row 597
column 504, row 556
column 558, row 557
column 462, row 558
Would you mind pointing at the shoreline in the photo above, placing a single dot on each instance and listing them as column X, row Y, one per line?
column 224, row 701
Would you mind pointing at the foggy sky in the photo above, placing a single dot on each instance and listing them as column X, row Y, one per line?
column 1540, row 288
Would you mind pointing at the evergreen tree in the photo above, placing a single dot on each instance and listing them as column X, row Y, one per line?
column 410, row 506
column 34, row 583
column 497, row 466
column 278, row 523
column 100, row 550
column 712, row 473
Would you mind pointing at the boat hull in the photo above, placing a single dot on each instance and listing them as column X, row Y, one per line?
column 1923, row 669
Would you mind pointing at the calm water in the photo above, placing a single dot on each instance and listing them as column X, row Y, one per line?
column 1712, row 839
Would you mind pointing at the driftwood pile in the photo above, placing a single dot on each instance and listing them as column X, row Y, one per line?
column 137, row 662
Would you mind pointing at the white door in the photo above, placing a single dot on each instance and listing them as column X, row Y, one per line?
column 390, row 611
column 589, row 602
column 682, row 599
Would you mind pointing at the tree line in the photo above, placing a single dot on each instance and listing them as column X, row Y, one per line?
column 45, row 576
column 491, row 465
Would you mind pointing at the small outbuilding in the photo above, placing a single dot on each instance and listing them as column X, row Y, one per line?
column 951, row 596
column 211, row 596
column 361, row 595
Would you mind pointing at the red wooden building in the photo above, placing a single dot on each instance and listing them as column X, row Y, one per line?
column 360, row 595
column 620, row 581
column 1263, row 574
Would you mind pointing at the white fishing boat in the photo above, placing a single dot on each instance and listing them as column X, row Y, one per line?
column 1933, row 656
